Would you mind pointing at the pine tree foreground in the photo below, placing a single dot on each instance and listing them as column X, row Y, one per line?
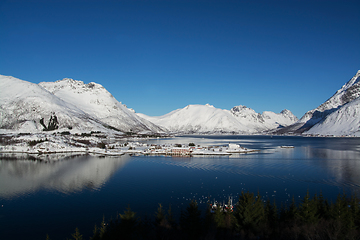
column 313, row 218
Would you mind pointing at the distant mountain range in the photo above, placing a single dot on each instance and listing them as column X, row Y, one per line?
column 206, row 119
column 70, row 105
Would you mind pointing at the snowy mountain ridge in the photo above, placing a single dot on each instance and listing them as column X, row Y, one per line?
column 339, row 115
column 344, row 121
column 28, row 107
column 206, row 119
column 347, row 93
column 69, row 104
column 64, row 105
column 95, row 100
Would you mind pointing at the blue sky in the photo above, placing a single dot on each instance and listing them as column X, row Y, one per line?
column 158, row 56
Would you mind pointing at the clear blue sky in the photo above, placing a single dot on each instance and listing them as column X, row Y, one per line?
column 158, row 56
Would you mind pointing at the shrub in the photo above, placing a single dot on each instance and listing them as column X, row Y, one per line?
column 101, row 145
column 34, row 142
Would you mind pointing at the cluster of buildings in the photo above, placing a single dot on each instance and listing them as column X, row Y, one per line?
column 195, row 150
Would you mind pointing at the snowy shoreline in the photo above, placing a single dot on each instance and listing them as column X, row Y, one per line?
column 41, row 145
column 52, row 144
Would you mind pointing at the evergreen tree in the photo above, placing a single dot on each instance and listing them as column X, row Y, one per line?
column 161, row 224
column 126, row 228
column 128, row 219
column 96, row 234
column 77, row 235
column 190, row 220
column 171, row 218
column 323, row 206
column 249, row 212
column 292, row 212
column 341, row 212
column 219, row 218
column 103, row 228
column 355, row 210
column 271, row 213
column 160, row 218
column 208, row 221
column 308, row 210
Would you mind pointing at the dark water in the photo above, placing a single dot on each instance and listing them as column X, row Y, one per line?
column 55, row 197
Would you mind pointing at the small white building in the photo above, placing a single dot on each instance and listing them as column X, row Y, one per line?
column 234, row 146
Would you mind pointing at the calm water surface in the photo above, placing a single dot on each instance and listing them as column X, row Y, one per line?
column 55, row 197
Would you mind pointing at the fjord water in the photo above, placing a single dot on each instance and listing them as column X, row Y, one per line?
column 55, row 197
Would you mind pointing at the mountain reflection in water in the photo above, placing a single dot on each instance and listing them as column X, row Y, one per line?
column 18, row 177
column 343, row 165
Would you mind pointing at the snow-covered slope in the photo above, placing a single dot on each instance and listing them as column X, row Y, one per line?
column 265, row 121
column 344, row 121
column 320, row 116
column 348, row 92
column 95, row 100
column 27, row 107
column 208, row 119
column 199, row 119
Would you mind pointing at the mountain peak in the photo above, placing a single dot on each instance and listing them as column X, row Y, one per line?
column 208, row 105
column 348, row 93
column 96, row 101
column 77, row 84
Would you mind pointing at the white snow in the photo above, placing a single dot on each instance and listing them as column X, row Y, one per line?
column 23, row 104
column 81, row 107
column 347, row 93
column 265, row 121
column 343, row 122
column 338, row 116
column 96, row 101
column 208, row 119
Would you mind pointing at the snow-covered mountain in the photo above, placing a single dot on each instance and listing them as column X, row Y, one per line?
column 344, row 121
column 72, row 105
column 265, row 121
column 320, row 116
column 199, row 119
column 27, row 107
column 96, row 101
column 208, row 119
column 349, row 92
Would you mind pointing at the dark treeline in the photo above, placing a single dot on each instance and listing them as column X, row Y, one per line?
column 312, row 218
